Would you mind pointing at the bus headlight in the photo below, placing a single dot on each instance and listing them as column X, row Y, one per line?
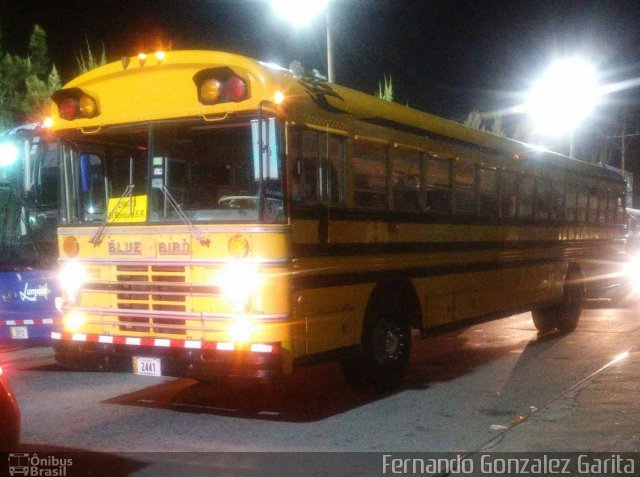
column 241, row 330
column 632, row 273
column 237, row 282
column 73, row 321
column 72, row 276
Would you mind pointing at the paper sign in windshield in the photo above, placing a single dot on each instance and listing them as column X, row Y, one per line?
column 128, row 209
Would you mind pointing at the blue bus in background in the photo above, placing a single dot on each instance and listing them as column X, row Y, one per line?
column 29, row 181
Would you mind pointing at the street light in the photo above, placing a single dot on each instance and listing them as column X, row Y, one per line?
column 563, row 97
column 301, row 13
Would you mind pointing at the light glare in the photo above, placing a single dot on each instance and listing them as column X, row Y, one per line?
column 563, row 97
column 620, row 357
column 74, row 321
column 238, row 281
column 8, row 154
column 631, row 270
column 72, row 276
column 299, row 12
column 241, row 330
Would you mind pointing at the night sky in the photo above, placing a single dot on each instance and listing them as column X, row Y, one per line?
column 446, row 57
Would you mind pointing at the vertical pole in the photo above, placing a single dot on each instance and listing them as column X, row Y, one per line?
column 330, row 71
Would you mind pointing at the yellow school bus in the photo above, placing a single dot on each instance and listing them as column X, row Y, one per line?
column 226, row 217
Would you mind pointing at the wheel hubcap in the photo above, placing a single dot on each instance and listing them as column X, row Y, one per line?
column 390, row 343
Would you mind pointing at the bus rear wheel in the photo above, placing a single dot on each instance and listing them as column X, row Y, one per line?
column 563, row 316
column 383, row 359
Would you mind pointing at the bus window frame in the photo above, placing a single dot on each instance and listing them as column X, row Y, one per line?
column 437, row 189
column 381, row 193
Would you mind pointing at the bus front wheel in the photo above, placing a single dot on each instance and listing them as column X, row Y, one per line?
column 384, row 355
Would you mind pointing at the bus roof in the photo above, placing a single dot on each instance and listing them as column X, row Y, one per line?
column 134, row 90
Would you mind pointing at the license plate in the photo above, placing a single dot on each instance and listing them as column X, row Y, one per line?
column 147, row 366
column 19, row 332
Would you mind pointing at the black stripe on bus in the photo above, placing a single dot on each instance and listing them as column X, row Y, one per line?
column 573, row 248
column 359, row 278
column 320, row 212
column 422, row 132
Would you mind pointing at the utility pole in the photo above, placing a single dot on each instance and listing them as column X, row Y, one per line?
column 625, row 140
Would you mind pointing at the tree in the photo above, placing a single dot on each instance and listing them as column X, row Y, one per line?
column 26, row 83
column 387, row 92
column 38, row 52
column 91, row 61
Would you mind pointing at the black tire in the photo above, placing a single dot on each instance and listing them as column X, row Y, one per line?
column 571, row 308
column 385, row 349
column 545, row 319
column 563, row 316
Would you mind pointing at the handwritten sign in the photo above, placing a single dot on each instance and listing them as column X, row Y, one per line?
column 129, row 209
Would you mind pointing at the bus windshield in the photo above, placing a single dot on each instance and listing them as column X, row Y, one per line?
column 173, row 172
column 28, row 201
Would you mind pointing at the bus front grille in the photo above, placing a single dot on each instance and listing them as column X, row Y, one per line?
column 153, row 288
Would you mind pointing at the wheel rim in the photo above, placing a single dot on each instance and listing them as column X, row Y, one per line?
column 390, row 343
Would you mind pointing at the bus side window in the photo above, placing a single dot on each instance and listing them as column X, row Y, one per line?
column 406, row 166
column 488, row 188
column 438, row 185
column 369, row 175
column 543, row 198
column 526, row 192
column 317, row 171
column 309, row 167
column 557, row 200
column 332, row 169
column 508, row 194
column 571, row 203
column 465, row 188
column 613, row 208
column 602, row 206
column 593, row 205
column 583, row 204
column 620, row 214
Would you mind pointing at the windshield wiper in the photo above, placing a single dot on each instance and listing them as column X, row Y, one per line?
column 204, row 241
column 128, row 192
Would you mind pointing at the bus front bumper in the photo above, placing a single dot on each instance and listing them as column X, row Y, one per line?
column 199, row 364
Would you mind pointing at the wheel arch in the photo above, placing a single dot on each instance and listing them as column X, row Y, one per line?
column 406, row 298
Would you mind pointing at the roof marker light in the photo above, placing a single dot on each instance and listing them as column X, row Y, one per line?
column 125, row 62
column 160, row 56
column 142, row 59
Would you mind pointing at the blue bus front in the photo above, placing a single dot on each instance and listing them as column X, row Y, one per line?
column 29, row 286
